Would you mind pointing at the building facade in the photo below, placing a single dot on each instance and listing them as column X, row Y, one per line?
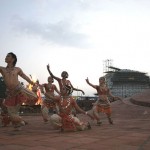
column 125, row 82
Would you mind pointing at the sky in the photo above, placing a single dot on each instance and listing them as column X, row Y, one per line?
column 76, row 36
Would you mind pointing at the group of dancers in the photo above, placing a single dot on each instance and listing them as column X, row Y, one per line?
column 63, row 104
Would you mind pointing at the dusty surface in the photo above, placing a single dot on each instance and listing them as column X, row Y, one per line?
column 131, row 131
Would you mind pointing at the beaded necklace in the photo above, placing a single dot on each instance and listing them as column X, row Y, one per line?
column 63, row 86
column 67, row 82
column 68, row 103
column 103, row 87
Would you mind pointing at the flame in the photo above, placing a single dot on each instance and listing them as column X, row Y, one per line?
column 33, row 79
column 38, row 91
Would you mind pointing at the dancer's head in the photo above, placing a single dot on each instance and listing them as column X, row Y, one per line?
column 50, row 79
column 37, row 81
column 11, row 58
column 102, row 80
column 64, row 74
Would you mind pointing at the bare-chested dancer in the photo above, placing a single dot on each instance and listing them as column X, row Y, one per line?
column 16, row 94
column 103, row 103
column 62, row 82
column 49, row 89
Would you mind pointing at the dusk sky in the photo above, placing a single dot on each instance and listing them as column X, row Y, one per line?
column 76, row 36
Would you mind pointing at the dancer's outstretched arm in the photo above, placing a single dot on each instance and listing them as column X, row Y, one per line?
column 75, row 89
column 114, row 97
column 24, row 76
column 51, row 74
column 88, row 82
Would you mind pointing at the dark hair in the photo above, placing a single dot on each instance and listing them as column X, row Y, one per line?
column 37, row 81
column 64, row 72
column 51, row 78
column 15, row 58
column 102, row 78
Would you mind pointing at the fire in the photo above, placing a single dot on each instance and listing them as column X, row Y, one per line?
column 35, row 89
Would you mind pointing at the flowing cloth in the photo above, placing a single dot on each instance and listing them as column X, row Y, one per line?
column 103, row 106
column 46, row 105
column 15, row 98
column 65, row 119
column 4, row 117
column 4, row 120
column 49, row 103
column 67, row 122
column 20, row 95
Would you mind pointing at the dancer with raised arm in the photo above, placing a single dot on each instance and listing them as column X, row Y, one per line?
column 65, row 120
column 63, row 82
column 103, row 103
column 49, row 89
column 16, row 93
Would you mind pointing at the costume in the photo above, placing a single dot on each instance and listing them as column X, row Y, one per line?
column 15, row 98
column 36, row 89
column 4, row 117
column 65, row 120
column 62, row 85
column 38, row 93
column 48, row 103
column 103, row 105
column 20, row 95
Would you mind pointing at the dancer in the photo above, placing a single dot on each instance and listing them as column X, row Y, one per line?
column 50, row 89
column 103, row 103
column 65, row 120
column 4, row 117
column 16, row 93
column 63, row 82
column 37, row 90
